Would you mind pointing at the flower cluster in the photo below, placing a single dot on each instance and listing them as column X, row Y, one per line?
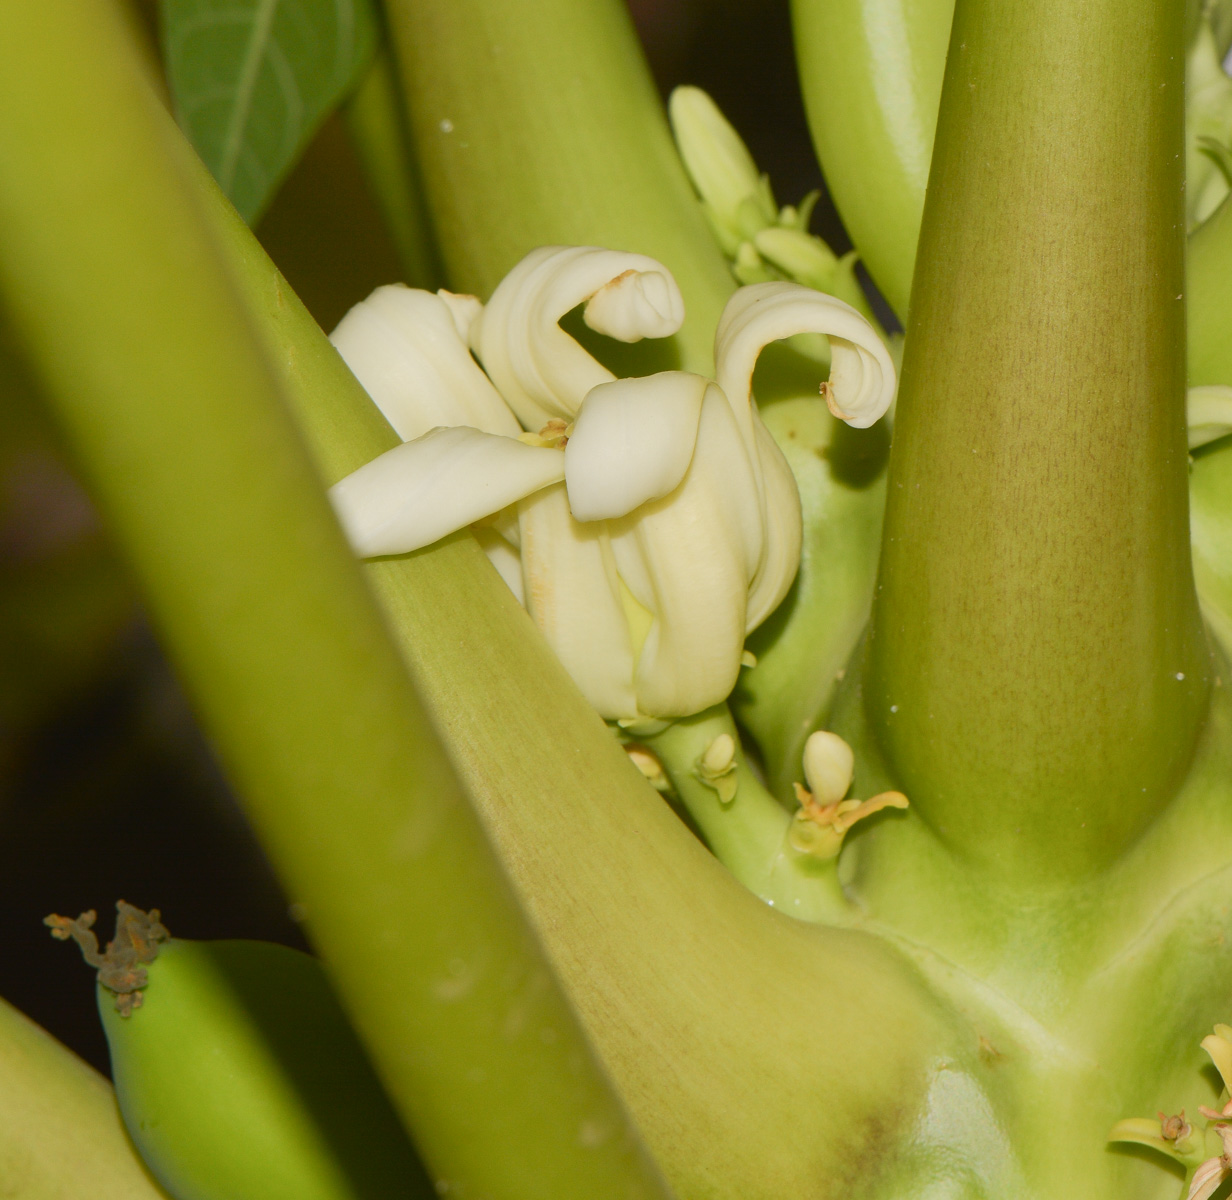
column 1206, row 1156
column 647, row 524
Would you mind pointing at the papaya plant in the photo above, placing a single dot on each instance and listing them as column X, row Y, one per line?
column 720, row 746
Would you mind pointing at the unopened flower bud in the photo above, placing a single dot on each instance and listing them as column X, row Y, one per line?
column 737, row 197
column 828, row 766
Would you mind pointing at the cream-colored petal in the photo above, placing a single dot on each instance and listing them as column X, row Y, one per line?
column 862, row 378
column 1220, row 1050
column 404, row 346
column 464, row 308
column 573, row 595
column 416, row 493
column 783, row 525
column 1206, row 1179
column 540, row 370
column 636, row 304
column 688, row 559
column 632, row 442
column 1208, row 412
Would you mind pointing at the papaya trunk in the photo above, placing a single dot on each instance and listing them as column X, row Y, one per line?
column 1038, row 668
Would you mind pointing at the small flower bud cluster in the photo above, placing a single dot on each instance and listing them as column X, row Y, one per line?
column 763, row 241
column 1207, row 1155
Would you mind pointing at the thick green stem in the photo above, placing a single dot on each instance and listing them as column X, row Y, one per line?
column 376, row 121
column 60, row 1130
column 1038, row 670
column 164, row 392
column 536, row 122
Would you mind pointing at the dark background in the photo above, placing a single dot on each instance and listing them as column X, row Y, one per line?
column 107, row 789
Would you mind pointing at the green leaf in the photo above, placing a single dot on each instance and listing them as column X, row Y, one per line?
column 253, row 79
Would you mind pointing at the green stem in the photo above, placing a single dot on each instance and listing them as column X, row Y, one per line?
column 60, row 1130
column 748, row 832
column 536, row 122
column 1038, row 669
column 165, row 395
column 377, row 125
column 1209, row 283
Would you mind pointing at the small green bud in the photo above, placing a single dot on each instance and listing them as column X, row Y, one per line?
column 800, row 256
column 716, row 768
column 750, row 267
column 799, row 216
column 737, row 197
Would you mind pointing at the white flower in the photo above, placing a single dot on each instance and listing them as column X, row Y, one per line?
column 647, row 524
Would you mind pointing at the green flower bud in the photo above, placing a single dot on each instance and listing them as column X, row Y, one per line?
column 800, row 256
column 737, row 198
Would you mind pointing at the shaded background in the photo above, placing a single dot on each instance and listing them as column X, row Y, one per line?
column 107, row 789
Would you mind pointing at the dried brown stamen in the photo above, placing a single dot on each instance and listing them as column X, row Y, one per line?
column 136, row 941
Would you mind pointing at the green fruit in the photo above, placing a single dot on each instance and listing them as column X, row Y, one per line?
column 239, row 1078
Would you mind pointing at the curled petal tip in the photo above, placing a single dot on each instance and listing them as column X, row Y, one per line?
column 540, row 370
column 636, row 305
column 862, row 377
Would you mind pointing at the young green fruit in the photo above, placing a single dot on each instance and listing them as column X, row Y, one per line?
column 237, row 1073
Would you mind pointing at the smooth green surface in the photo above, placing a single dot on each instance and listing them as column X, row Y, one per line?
column 61, row 1137
column 536, row 123
column 1211, row 525
column 1088, row 1000
column 240, row 1079
column 178, row 422
column 1209, row 282
column 1038, row 671
column 376, row 121
column 253, row 79
column 761, row 1056
column 870, row 72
